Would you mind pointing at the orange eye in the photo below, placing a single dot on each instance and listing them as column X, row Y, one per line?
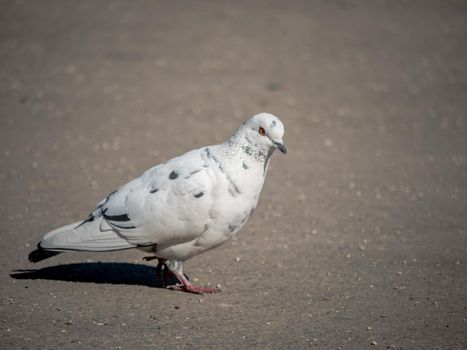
column 261, row 131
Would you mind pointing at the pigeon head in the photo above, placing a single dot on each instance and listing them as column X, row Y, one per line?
column 264, row 131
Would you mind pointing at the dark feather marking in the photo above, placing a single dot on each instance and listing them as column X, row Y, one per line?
column 232, row 228
column 234, row 186
column 63, row 250
column 173, row 175
column 192, row 173
column 90, row 218
column 122, row 217
column 118, row 218
column 107, row 199
column 124, row 227
column 199, row 195
column 110, row 195
column 148, row 245
column 154, row 190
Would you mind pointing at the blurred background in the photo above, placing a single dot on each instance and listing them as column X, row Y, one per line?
column 360, row 236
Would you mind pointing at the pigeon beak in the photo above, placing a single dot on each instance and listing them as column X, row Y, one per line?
column 280, row 146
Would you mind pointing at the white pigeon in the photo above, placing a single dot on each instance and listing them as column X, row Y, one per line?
column 180, row 208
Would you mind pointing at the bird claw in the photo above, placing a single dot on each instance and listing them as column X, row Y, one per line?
column 184, row 286
column 190, row 288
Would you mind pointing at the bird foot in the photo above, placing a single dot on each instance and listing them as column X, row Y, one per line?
column 190, row 288
column 184, row 285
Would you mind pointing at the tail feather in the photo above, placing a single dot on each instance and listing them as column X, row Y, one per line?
column 79, row 236
column 41, row 254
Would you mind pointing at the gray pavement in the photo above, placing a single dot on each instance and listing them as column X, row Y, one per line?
column 360, row 238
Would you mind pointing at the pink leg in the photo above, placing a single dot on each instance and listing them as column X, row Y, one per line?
column 186, row 286
column 175, row 267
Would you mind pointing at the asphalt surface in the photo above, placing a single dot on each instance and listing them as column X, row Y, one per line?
column 360, row 237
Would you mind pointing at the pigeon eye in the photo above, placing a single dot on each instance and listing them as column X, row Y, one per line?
column 261, row 131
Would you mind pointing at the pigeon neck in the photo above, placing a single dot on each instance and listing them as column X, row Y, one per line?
column 240, row 144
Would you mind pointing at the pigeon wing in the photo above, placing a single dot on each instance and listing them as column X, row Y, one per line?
column 168, row 204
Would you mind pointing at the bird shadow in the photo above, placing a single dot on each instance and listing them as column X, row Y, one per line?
column 99, row 272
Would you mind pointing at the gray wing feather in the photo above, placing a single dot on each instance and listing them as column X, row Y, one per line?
column 168, row 203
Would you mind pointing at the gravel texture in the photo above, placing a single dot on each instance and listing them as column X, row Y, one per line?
column 360, row 237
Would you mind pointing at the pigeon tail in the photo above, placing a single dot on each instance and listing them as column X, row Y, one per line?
column 89, row 235
column 41, row 254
